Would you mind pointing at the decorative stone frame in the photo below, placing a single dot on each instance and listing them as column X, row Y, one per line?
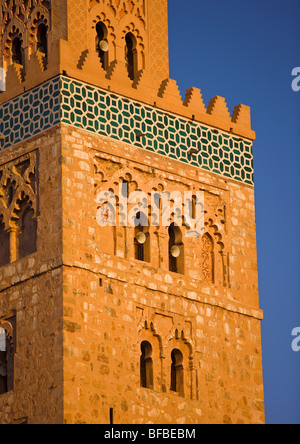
column 18, row 184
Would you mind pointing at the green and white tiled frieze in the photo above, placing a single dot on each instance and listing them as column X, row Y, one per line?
column 102, row 112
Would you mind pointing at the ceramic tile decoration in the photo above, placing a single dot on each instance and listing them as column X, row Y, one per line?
column 75, row 103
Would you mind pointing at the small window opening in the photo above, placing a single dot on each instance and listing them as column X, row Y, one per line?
column 176, row 250
column 142, row 238
column 102, row 44
column 7, row 339
column 42, row 40
column 17, row 52
column 27, row 230
column 177, row 372
column 131, row 55
column 146, row 366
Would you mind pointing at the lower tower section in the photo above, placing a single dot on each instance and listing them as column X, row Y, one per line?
column 144, row 341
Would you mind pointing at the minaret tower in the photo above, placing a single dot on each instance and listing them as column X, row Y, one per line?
column 120, row 324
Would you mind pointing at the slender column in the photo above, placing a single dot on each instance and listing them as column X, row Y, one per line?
column 13, row 244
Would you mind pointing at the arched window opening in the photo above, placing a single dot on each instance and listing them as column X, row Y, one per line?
column 125, row 189
column 131, row 55
column 27, row 231
column 42, row 39
column 7, row 351
column 4, row 244
column 176, row 250
column 142, row 238
column 102, row 44
column 3, row 361
column 146, row 366
column 207, row 258
column 17, row 51
column 177, row 372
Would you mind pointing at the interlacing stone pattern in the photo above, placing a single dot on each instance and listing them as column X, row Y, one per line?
column 80, row 105
column 31, row 113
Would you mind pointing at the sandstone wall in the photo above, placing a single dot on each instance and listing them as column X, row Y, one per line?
column 31, row 290
column 112, row 302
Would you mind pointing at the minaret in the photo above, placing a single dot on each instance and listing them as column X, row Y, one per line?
column 120, row 324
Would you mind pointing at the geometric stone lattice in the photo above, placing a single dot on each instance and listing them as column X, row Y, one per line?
column 111, row 115
column 30, row 113
column 102, row 112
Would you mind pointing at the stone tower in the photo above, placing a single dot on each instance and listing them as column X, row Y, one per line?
column 96, row 327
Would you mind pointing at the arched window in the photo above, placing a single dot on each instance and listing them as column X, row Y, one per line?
column 177, row 372
column 17, row 51
column 42, row 39
column 131, row 55
column 7, row 350
column 176, row 250
column 4, row 244
column 27, row 230
column 142, row 238
column 146, row 366
column 3, row 361
column 102, row 44
column 207, row 258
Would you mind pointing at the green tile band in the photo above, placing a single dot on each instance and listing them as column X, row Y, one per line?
column 111, row 115
column 83, row 106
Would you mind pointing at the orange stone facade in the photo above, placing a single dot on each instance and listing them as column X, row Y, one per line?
column 96, row 335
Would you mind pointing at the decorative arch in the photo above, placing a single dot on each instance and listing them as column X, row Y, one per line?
column 131, row 55
column 39, row 27
column 177, row 372
column 107, row 18
column 180, row 365
column 26, row 228
column 7, row 352
column 22, row 16
column 18, row 209
column 102, row 46
column 146, row 365
column 121, row 8
column 176, row 249
column 15, row 30
column 137, row 38
column 151, row 358
column 212, row 260
column 142, row 239
column 207, row 258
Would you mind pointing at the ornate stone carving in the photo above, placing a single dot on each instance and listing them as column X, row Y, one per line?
column 21, row 18
column 207, row 259
column 123, row 7
column 17, row 184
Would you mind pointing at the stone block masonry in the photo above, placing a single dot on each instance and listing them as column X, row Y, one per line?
column 113, row 302
column 96, row 326
column 84, row 304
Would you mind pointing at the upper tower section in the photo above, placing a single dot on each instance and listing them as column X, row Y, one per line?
column 29, row 46
column 102, row 42
column 120, row 46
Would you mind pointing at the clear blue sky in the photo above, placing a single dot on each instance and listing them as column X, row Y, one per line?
column 245, row 50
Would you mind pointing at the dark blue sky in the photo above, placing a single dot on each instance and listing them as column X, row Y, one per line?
column 245, row 50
